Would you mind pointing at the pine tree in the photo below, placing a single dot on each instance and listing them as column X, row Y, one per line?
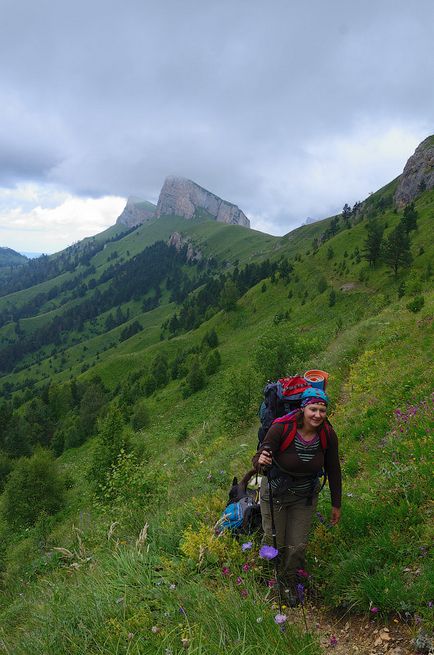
column 396, row 252
column 372, row 249
column 409, row 218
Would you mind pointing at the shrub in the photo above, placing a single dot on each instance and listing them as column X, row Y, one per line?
column 212, row 362
column 34, row 487
column 110, row 442
column 416, row 304
column 140, row 416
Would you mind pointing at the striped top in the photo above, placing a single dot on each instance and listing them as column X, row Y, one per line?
column 306, row 450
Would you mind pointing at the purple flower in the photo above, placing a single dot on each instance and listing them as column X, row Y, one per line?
column 246, row 546
column 333, row 641
column 246, row 567
column 268, row 552
column 430, row 603
column 226, row 571
column 280, row 618
column 374, row 610
column 239, row 580
column 300, row 592
column 272, row 583
column 182, row 611
column 320, row 517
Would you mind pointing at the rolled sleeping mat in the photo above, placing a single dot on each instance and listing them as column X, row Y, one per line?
column 317, row 379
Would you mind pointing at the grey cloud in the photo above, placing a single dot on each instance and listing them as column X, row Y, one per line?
column 124, row 94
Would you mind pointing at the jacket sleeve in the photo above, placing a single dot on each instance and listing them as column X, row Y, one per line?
column 333, row 469
column 271, row 442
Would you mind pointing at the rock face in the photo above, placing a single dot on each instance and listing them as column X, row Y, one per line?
column 178, row 241
column 418, row 174
column 136, row 212
column 183, row 197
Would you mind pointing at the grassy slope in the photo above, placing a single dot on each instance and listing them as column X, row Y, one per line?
column 370, row 346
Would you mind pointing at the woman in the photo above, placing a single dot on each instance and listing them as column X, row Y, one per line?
column 295, row 450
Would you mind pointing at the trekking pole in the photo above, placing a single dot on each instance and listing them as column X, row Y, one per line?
column 273, row 534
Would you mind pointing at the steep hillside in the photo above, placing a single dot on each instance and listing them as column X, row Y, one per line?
column 120, row 434
column 10, row 258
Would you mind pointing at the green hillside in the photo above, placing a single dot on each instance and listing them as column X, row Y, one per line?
column 10, row 258
column 124, row 421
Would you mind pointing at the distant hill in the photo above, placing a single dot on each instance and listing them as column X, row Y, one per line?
column 9, row 257
column 31, row 255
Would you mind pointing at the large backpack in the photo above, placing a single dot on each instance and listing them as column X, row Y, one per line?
column 282, row 399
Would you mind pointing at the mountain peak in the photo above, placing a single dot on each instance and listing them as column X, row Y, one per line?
column 418, row 174
column 183, row 197
column 136, row 211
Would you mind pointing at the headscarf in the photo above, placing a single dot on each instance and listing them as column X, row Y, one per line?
column 313, row 395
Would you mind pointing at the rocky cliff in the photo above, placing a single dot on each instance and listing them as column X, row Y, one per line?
column 418, row 174
column 136, row 212
column 183, row 197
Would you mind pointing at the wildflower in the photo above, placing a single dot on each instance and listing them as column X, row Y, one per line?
column 155, row 629
column 172, row 587
column 246, row 567
column 239, row 580
column 182, row 611
column 374, row 610
column 302, row 573
column 268, row 552
column 333, row 641
column 185, row 642
column 272, row 583
column 244, row 593
column 430, row 603
column 130, row 635
column 320, row 517
column 280, row 618
column 300, row 592
column 259, row 619
column 246, row 546
column 226, row 571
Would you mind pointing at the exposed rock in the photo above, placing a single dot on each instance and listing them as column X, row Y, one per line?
column 178, row 241
column 418, row 174
column 182, row 197
column 136, row 212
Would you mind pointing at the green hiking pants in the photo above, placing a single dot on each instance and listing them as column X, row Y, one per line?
column 293, row 519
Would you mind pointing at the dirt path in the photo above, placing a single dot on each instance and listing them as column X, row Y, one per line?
column 358, row 635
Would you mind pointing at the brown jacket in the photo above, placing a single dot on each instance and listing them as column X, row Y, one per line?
column 291, row 462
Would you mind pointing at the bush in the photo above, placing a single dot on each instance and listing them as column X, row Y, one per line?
column 416, row 304
column 140, row 416
column 34, row 487
column 212, row 362
column 240, row 397
column 111, row 440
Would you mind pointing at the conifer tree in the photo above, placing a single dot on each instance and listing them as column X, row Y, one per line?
column 372, row 245
column 396, row 252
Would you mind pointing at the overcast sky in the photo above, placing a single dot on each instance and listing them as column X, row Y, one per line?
column 287, row 108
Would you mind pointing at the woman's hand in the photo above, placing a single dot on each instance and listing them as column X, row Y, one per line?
column 265, row 458
column 336, row 515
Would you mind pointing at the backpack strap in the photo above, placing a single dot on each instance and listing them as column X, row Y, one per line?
column 288, row 436
column 290, row 430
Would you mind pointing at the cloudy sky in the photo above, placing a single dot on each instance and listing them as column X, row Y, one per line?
column 287, row 108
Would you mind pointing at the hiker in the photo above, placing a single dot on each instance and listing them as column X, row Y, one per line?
column 293, row 454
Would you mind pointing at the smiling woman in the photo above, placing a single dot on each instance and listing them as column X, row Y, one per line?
column 297, row 450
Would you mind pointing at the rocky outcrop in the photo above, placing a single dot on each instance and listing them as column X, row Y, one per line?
column 178, row 241
column 136, row 212
column 182, row 197
column 418, row 174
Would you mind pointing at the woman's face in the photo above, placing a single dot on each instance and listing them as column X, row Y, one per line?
column 313, row 415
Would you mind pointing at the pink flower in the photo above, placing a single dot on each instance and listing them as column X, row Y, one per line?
column 374, row 610
column 226, row 571
column 272, row 583
column 244, row 593
column 246, row 567
column 333, row 641
column 302, row 573
column 239, row 580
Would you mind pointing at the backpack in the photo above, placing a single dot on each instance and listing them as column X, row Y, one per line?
column 282, row 399
column 242, row 514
